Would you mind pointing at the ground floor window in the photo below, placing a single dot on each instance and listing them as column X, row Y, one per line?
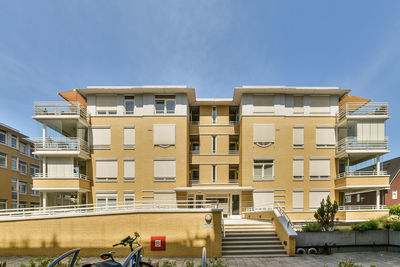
column 106, row 198
column 3, row 204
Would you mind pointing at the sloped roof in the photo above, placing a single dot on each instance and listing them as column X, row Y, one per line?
column 392, row 166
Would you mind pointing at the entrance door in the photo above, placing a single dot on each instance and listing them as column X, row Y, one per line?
column 199, row 201
column 235, row 205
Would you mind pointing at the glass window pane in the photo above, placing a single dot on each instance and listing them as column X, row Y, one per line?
column 170, row 106
column 267, row 171
column 129, row 107
column 2, row 137
column 257, row 170
column 160, row 106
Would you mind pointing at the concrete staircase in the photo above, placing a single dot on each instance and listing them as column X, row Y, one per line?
column 251, row 238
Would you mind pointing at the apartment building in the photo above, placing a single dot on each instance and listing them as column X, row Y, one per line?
column 268, row 145
column 17, row 166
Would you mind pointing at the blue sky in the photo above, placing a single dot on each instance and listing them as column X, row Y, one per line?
column 52, row 46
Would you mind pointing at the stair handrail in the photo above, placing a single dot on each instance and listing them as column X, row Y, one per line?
column 223, row 223
column 282, row 212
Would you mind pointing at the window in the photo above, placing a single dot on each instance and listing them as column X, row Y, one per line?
column 195, row 175
column 316, row 197
column 214, row 173
column 14, row 163
column 194, row 144
column 106, row 199
column 129, row 198
column 214, row 145
column 347, row 198
column 129, row 137
column 298, row 137
column 214, row 115
column 14, row 185
column 319, row 104
column 31, row 150
column 14, row 204
column 14, row 141
column 3, row 204
column 35, row 204
column 33, row 169
column 394, row 194
column 129, row 103
column 22, row 167
column 164, row 135
column 165, row 104
column 263, row 199
column 320, row 169
column 22, row 187
column 263, row 103
column 22, row 148
column 106, row 170
column 298, row 104
column 263, row 134
column 3, row 137
column 22, row 204
column 101, row 137
column 325, row 137
column 263, row 170
column 129, row 170
column 298, row 169
column 34, row 192
column 370, row 130
column 106, row 105
column 358, row 198
column 233, row 173
column 3, row 160
column 164, row 170
column 298, row 200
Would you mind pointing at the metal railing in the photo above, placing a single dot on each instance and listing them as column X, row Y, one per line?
column 233, row 181
column 61, row 144
column 361, row 174
column 50, row 176
column 363, row 109
column 194, row 123
column 96, row 209
column 352, row 143
column 263, row 208
column 234, row 123
column 234, row 152
column 194, row 152
column 192, row 181
column 282, row 212
column 361, row 207
column 59, row 109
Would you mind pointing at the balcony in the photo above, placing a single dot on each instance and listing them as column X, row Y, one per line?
column 362, row 180
column 362, row 110
column 361, row 150
column 58, row 146
column 74, row 182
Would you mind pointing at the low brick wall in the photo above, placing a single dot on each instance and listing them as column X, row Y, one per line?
column 186, row 234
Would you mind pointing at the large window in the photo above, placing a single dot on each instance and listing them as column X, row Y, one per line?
column 325, row 137
column 263, row 169
column 298, row 104
column 263, row 199
column 164, row 134
column 263, row 103
column 14, row 163
column 108, row 198
column 129, row 103
column 298, row 169
column 164, row 169
column 101, row 137
column 129, row 170
column 298, row 137
column 316, row 196
column 3, row 160
column 14, row 141
column 129, row 137
column 319, row 104
column 165, row 104
column 106, row 105
column 106, row 170
column 3, row 137
column 370, row 131
column 320, row 169
column 263, row 134
column 22, row 187
column 22, row 167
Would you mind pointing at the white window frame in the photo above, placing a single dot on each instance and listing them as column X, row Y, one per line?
column 394, row 194
column 22, row 148
column 127, row 99
column 270, row 162
column 165, row 99
column 36, row 169
column 129, row 198
column 22, row 166
column 3, row 133
column 34, row 192
column 108, row 111
column 267, row 109
column 130, row 179
column 130, row 146
column 298, row 178
column 106, row 179
column 3, row 156
column 358, row 198
column 16, row 163
column 3, row 204
column 325, row 145
column 213, row 174
column 293, row 202
column 101, row 146
column 22, row 185
column 312, row 108
column 298, row 110
column 320, row 178
column 347, row 198
column 298, row 146
column 107, row 196
column 164, row 179
column 13, row 137
column 14, row 185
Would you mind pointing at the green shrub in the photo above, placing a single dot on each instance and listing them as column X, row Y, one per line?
column 325, row 214
column 370, row 225
column 169, row 264
column 3, row 264
column 312, row 227
column 395, row 226
column 395, row 210
column 348, row 263
column 215, row 262
column 189, row 264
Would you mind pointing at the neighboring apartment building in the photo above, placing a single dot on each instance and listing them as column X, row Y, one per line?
column 17, row 166
column 266, row 145
column 388, row 197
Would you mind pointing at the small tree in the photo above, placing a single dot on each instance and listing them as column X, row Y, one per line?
column 325, row 214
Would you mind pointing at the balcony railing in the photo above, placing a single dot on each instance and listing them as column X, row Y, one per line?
column 361, row 174
column 362, row 207
column 234, row 123
column 50, row 176
column 195, row 152
column 59, row 109
column 233, row 181
column 234, row 152
column 61, row 144
column 352, row 143
column 191, row 181
column 363, row 109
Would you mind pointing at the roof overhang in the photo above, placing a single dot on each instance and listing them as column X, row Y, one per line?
column 146, row 89
column 213, row 188
column 214, row 102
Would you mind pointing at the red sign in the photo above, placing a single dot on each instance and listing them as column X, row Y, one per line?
column 157, row 243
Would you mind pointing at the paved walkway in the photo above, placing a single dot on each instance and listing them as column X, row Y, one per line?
column 379, row 259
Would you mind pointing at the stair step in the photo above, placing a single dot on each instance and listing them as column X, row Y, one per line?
column 251, row 237
column 249, row 227
column 243, row 233
column 250, row 230
column 251, row 242
column 255, row 256
column 247, row 247
column 254, row 251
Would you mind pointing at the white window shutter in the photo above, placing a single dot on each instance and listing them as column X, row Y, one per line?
column 264, row 133
column 263, row 103
column 129, row 137
column 165, row 169
column 298, row 168
column 298, row 136
column 320, row 104
column 129, row 169
column 263, row 199
column 164, row 134
column 298, row 200
column 106, row 169
column 325, row 136
column 320, row 167
column 316, row 198
column 101, row 137
column 106, row 103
